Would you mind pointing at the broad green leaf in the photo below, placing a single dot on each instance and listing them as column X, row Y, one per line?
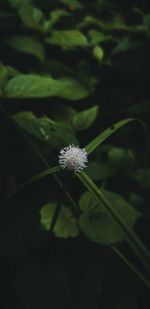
column 105, row 134
column 143, row 177
column 83, row 120
column 97, row 37
column 66, row 225
column 68, row 39
column 34, row 86
column 32, row 17
column 54, row 17
column 96, row 223
column 6, row 73
column 99, row 171
column 49, row 131
column 98, row 53
column 27, row 44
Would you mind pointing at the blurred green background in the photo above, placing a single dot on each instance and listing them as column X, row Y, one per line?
column 68, row 70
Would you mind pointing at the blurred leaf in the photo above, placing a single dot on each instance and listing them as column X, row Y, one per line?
column 141, row 109
column 146, row 23
column 57, row 69
column 68, row 39
column 98, row 53
column 85, row 76
column 120, row 158
column 135, row 200
column 97, row 225
column 32, row 17
column 27, row 44
column 6, row 73
column 55, row 15
column 99, row 171
column 34, row 86
column 97, row 37
column 126, row 44
column 83, row 120
column 45, row 129
column 66, row 225
column 66, row 114
column 143, row 177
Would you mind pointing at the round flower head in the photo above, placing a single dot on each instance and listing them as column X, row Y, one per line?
column 73, row 158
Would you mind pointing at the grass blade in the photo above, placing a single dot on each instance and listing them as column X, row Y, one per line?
column 107, row 133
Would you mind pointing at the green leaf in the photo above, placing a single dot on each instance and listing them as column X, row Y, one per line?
column 68, row 39
column 66, row 225
column 121, row 159
column 143, row 177
column 6, row 73
column 98, row 53
column 97, row 37
column 96, row 223
column 99, row 171
column 49, row 131
column 54, row 17
column 146, row 24
column 32, row 17
column 34, row 86
column 66, row 113
column 85, row 119
column 105, row 134
column 27, row 44
column 126, row 44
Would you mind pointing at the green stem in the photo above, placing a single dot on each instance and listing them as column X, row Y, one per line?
column 131, row 266
column 132, row 239
column 55, row 217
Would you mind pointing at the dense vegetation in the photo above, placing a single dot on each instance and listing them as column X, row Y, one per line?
column 69, row 70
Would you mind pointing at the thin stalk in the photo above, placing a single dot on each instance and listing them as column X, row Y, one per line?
column 33, row 179
column 55, row 216
column 131, row 266
column 132, row 239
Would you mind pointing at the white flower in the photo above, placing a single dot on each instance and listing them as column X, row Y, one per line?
column 73, row 158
